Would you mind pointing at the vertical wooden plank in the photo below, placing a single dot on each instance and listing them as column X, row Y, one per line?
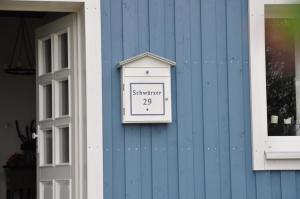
column 159, row 135
column 159, row 162
column 275, row 184
column 210, row 99
column 250, row 175
column 146, row 162
column 172, row 141
column 298, row 183
column 143, row 21
column 130, row 28
column 288, row 185
column 157, row 26
column 132, row 162
column 225, row 180
column 183, row 73
column 118, row 129
column 263, row 185
column 235, row 92
column 197, row 102
column 107, row 125
column 146, row 133
column 132, row 132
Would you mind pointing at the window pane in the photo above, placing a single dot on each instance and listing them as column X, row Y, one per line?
column 281, row 77
column 46, row 57
column 64, row 97
column 48, row 101
column 64, row 145
column 63, row 50
column 48, row 147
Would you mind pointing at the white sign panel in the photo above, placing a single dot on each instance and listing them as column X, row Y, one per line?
column 147, row 99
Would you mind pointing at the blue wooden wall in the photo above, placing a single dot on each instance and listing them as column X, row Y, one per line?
column 206, row 152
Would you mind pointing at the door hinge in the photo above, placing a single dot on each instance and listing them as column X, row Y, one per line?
column 123, row 111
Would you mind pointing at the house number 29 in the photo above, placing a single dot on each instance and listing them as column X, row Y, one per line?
column 147, row 101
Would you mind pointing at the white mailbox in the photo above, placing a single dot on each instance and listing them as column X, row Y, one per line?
column 146, row 89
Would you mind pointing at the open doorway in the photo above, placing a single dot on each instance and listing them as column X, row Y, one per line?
column 84, row 176
column 18, row 105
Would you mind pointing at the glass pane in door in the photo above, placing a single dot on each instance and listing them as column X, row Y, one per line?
column 46, row 56
column 48, row 147
column 64, row 97
column 47, row 106
column 63, row 50
column 64, row 145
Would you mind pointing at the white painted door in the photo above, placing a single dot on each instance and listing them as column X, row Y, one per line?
column 56, row 47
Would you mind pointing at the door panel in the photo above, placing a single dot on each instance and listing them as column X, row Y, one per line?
column 56, row 130
column 62, row 189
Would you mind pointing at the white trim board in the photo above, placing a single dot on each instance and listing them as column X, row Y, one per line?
column 90, row 152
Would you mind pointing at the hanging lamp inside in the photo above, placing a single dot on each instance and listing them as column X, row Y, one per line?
column 22, row 59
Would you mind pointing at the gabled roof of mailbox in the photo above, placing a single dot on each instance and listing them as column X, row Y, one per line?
column 147, row 54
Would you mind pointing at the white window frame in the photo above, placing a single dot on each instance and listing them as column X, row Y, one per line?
column 89, row 96
column 268, row 152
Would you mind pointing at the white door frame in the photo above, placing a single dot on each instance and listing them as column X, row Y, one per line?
column 90, row 152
